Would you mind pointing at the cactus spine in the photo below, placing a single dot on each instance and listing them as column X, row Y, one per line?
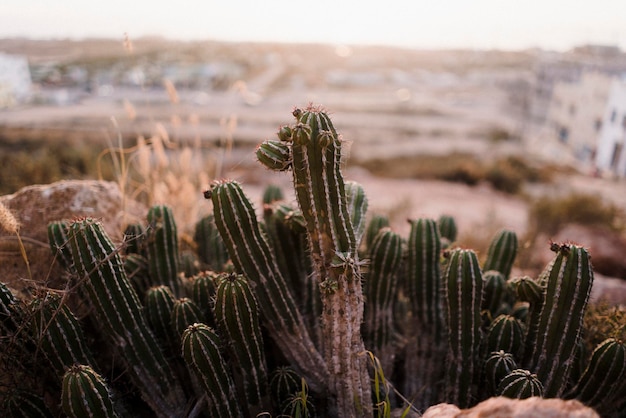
column 162, row 246
column 236, row 313
column 569, row 280
column 463, row 288
column 85, row 394
column 252, row 256
column 200, row 347
column 118, row 308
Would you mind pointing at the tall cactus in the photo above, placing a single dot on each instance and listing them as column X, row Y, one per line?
column 201, row 351
column 569, row 279
column 252, row 257
column 502, row 252
column 86, row 394
column 211, row 248
column 380, row 291
column 315, row 161
column 463, row 290
column 117, row 306
column 425, row 348
column 162, row 246
column 237, row 316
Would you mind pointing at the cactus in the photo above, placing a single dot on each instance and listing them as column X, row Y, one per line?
column 502, row 252
column 357, row 206
column 135, row 239
column 284, row 382
column 119, row 312
column 162, row 244
column 59, row 334
column 599, row 387
column 463, row 290
column 375, row 224
column 252, row 257
column 272, row 194
column 497, row 366
column 237, row 316
column 494, row 291
column 505, row 333
column 211, row 248
column 447, row 229
column 136, row 268
column 423, row 286
column 520, row 384
column 380, row 291
column 159, row 304
column 57, row 237
column 202, row 291
column 569, row 279
column 200, row 348
column 185, row 312
column 321, row 195
column 86, row 394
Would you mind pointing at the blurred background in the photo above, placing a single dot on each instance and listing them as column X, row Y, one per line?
column 498, row 112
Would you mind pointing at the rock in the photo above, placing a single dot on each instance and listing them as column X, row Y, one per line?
column 36, row 206
column 515, row 408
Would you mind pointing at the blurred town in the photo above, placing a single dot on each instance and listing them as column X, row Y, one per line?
column 568, row 107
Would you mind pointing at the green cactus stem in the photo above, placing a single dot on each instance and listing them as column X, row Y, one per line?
column 497, row 366
column 463, row 291
column 494, row 291
column 321, row 194
column 272, row 194
column 599, row 387
column 447, row 229
column 252, row 256
column 505, row 333
column 136, row 268
column 135, row 239
column 275, row 155
column 569, row 280
column 426, row 346
column 119, row 311
column 236, row 312
column 380, row 292
column 162, row 244
column 284, row 382
column 185, row 312
column 159, row 304
column 59, row 334
column 201, row 352
column 375, row 224
column 502, row 252
column 57, row 239
column 528, row 290
column 202, row 290
column 520, row 384
column 86, row 394
column 357, row 206
column 211, row 248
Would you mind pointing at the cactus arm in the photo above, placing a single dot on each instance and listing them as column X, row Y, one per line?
column 86, row 394
column 162, row 246
column 200, row 348
column 502, row 252
column 236, row 312
column 463, row 290
column 569, row 282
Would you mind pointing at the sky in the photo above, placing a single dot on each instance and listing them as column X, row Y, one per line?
column 473, row 24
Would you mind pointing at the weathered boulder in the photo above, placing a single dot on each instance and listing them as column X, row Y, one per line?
column 515, row 408
column 36, row 206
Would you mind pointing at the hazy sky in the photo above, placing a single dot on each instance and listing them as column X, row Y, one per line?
column 551, row 24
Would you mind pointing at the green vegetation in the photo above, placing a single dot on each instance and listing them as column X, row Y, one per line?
column 333, row 327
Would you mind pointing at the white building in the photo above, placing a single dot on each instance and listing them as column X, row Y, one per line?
column 576, row 112
column 15, row 81
column 611, row 154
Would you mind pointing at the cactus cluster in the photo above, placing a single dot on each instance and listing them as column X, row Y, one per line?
column 310, row 309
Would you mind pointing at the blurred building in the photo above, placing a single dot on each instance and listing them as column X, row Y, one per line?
column 611, row 155
column 576, row 113
column 15, row 80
